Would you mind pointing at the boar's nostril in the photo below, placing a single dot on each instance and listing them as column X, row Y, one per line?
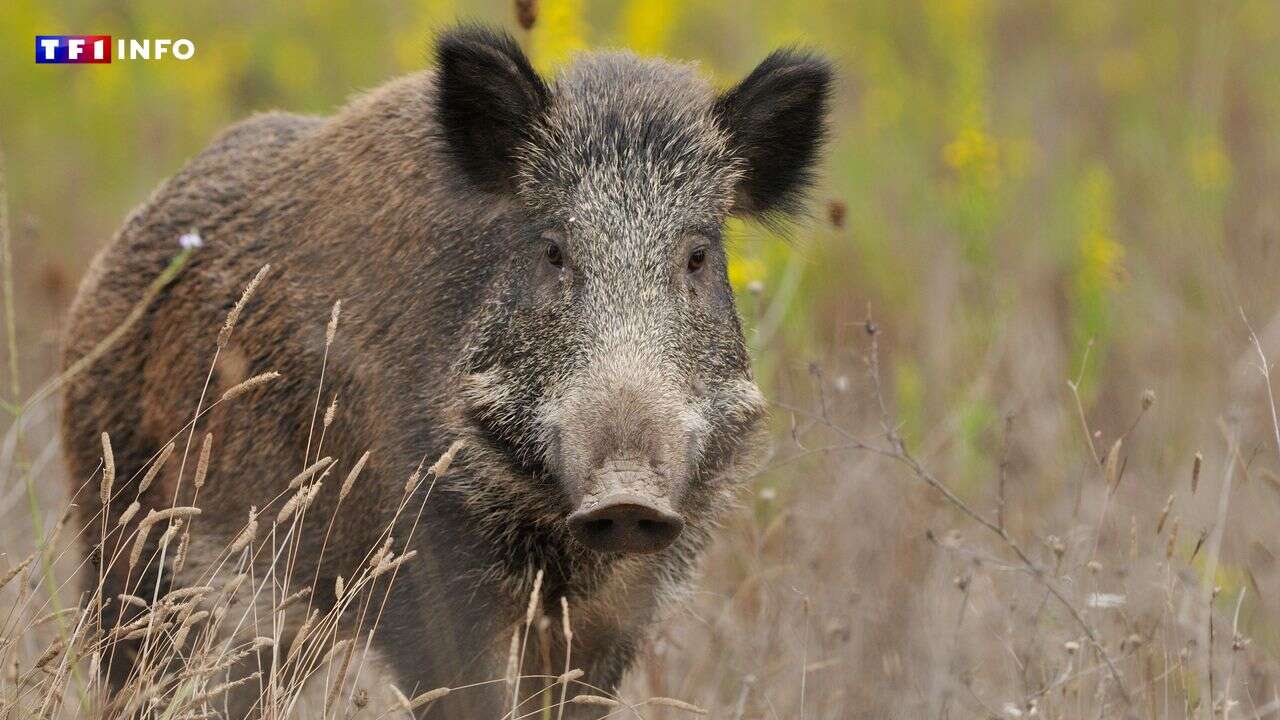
column 597, row 527
column 624, row 523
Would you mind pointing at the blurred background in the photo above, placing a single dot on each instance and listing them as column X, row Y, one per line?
column 1042, row 234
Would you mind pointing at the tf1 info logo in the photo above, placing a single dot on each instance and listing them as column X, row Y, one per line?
column 96, row 49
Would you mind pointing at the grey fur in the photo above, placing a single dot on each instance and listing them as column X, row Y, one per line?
column 454, row 326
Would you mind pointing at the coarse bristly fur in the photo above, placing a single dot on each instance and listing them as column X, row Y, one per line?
column 533, row 267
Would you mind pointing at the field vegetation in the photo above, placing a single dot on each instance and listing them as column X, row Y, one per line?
column 1026, row 459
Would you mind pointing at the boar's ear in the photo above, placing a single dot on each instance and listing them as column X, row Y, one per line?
column 776, row 120
column 488, row 96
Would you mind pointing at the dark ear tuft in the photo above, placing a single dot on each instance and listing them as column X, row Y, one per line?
column 776, row 119
column 488, row 97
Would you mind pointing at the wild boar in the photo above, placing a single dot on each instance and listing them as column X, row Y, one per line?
column 532, row 267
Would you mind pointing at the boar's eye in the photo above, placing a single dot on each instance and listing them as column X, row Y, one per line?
column 696, row 260
column 554, row 255
column 553, row 252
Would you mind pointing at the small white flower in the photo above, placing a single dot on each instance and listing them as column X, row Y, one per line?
column 768, row 494
column 1106, row 600
column 191, row 241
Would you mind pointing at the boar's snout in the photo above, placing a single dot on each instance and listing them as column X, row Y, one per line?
column 626, row 523
column 627, row 511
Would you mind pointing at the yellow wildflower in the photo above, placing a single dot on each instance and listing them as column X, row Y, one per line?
column 1210, row 167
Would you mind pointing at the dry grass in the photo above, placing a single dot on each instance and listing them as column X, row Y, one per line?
column 1105, row 564
column 858, row 576
column 1068, row 582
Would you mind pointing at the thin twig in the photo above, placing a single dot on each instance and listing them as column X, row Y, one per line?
column 898, row 452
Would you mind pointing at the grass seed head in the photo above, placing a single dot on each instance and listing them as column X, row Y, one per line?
column 294, row 598
column 441, row 465
column 598, row 700
column 202, row 465
column 305, row 476
column 232, row 585
column 428, row 697
column 224, row 335
column 224, row 687
column 351, row 476
column 180, row 558
column 1111, row 467
column 388, row 564
column 13, row 572
column 677, row 704
column 128, row 513
column 382, row 552
column 331, row 411
column 249, row 532
column 108, row 469
column 534, row 596
column 140, row 540
column 181, row 512
column 414, row 478
column 332, row 329
column 155, row 468
column 50, row 653
column 245, row 386
column 171, row 532
column 186, row 593
column 291, row 506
